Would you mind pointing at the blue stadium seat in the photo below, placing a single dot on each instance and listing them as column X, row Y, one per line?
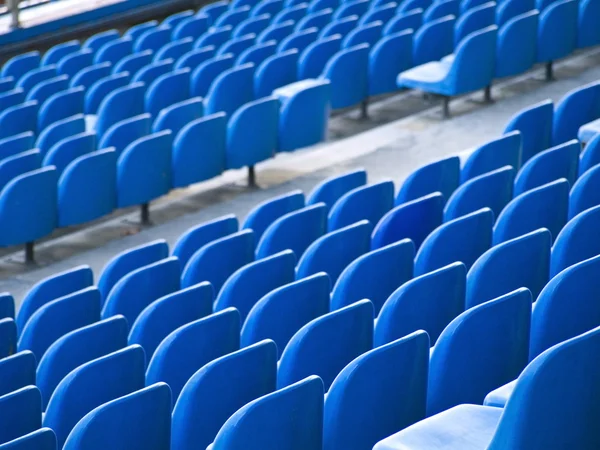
column 264, row 214
column 89, row 76
column 406, row 20
column 274, row 72
column 257, row 53
column 142, row 418
column 252, row 25
column 387, row 58
column 440, row 176
column 330, row 190
column 383, row 13
column 428, row 302
column 7, row 306
column 313, row 20
column 517, row 45
column 497, row 153
column 93, row 384
column 133, row 63
column 433, row 41
column 19, row 65
column 178, row 115
column 153, row 39
column 191, row 27
column 363, row 404
column 474, row 19
column 319, row 5
column 151, row 72
column 35, row 76
column 58, row 131
column 73, row 63
column 215, row 392
column 535, row 125
column 187, row 349
column 290, row 418
column 339, row 26
column 217, row 260
column 351, row 8
column 10, row 98
column 165, row 315
column 313, row 60
column 17, row 371
column 19, row 119
column 8, row 337
column 214, row 36
column 233, row 17
column 17, row 165
column 96, row 41
column 512, row 8
column 174, row 50
column 57, row 318
column 413, row 220
column 42, row 439
column 271, row 7
column 231, row 90
column 492, row 190
column 488, row 278
column 585, row 193
column 46, row 89
column 167, row 90
column 76, row 348
column 214, row 10
column 175, row 19
column 276, row 32
column 137, row 30
column 236, row 46
column 125, row 132
column 21, row 413
column 114, row 51
column 121, row 104
column 588, row 33
column 194, row 58
column 348, row 71
column 283, row 311
column 8, row 83
column 67, row 150
column 441, row 9
column 14, row 145
column 60, row 106
column 291, row 13
column 578, row 107
column 546, row 206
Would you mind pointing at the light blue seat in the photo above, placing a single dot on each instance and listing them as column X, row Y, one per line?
column 339, row 26
column 317, row 20
column 165, row 315
column 546, row 206
column 457, row 77
column 203, row 76
column 492, row 190
column 21, row 413
column 327, row 344
column 252, row 25
column 73, row 63
column 231, row 90
column 413, row 220
column 121, row 104
column 17, row 371
column 16, row 144
column 314, row 59
column 215, row 392
column 114, row 51
column 370, row 202
column 282, row 312
column 276, row 32
column 406, row 20
column 497, row 153
column 175, row 50
column 236, row 46
column 289, row 418
column 168, row 90
column 474, row 19
column 42, row 439
column 561, row 161
column 191, row 27
column 584, row 193
column 428, row 302
column 440, row 176
column 178, row 115
column 276, row 71
column 123, row 133
column 295, row 231
column 151, row 72
column 200, row 235
column 535, row 126
column 57, row 318
column 187, row 349
column 578, row 107
column 257, row 53
column 19, row 65
column 194, row 58
column 250, row 283
column 488, row 279
column 330, row 190
column 93, row 384
column 432, row 42
column 142, row 418
column 587, row 31
column 76, row 348
column 550, row 407
column 517, row 45
column 391, row 55
column 214, row 36
column 217, row 260
column 19, row 119
column 153, row 39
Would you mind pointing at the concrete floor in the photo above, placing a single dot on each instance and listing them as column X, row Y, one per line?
column 402, row 133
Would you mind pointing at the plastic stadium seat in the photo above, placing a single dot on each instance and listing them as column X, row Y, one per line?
column 585, row 193
column 19, row 119
column 363, row 34
column 144, row 170
column 96, row 41
column 46, row 89
column 58, row 131
column 17, row 371
column 150, row 73
column 276, row 71
column 93, row 384
column 319, row 5
column 315, row 20
column 128, row 261
column 264, row 214
column 414, row 220
column 535, row 125
column 57, row 318
column 218, row 260
column 174, row 50
column 339, row 26
column 382, row 13
column 7, row 306
column 507, row 10
column 19, row 65
column 428, row 302
column 142, row 419
column 432, row 42
column 153, row 39
column 17, row 165
column 257, row 53
column 214, row 36
column 488, row 278
column 214, row 10
column 383, row 390
column 133, row 63
column 271, row 7
column 7, row 83
column 114, row 51
column 474, row 19
column 295, row 231
column 517, row 44
column 21, row 412
column 175, row 19
column 283, row 311
column 463, row 239
column 101, row 88
column 550, row 408
column 76, row 348
column 140, row 287
column 42, row 439
column 588, row 33
column 492, row 190
column 191, row 164
column 236, row 46
column 440, row 176
column 388, row 57
column 330, row 190
column 404, row 21
column 315, row 57
column 493, row 155
column 441, row 9
column 252, row 25
column 233, row 17
column 123, row 133
column 71, row 64
column 561, row 161
column 590, row 156
column 137, row 30
column 351, row 8
column 251, row 282
column 90, row 75
column 60, row 106
column 190, row 347
column 289, row 418
column 215, row 392
column 14, row 145
column 291, row 13
column 178, row 115
column 546, row 206
column 231, row 90
column 121, row 104
column 191, row 27
column 303, row 113
column 577, row 241
column 168, row 90
column 194, row 58
column 8, row 335
column 10, row 98
column 370, row 202
column 51, row 288
column 458, row 77
column 578, row 107
column 35, row 76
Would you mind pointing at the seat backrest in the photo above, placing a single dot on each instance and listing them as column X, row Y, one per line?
column 252, row 25
column 216, row 391
column 101, row 88
column 512, row 8
column 434, row 40
column 133, row 63
column 587, row 33
column 21, row 413
column 195, row 57
column 265, row 213
column 188, row 348
column 577, row 107
column 61, row 105
column 17, row 371
column 236, row 46
column 69, row 149
column 330, row 190
column 339, row 26
column 482, row 349
column 351, row 8
column 175, row 50
column 90, row 75
column 317, row 19
column 278, row 31
column 497, row 153
column 19, row 119
column 364, row 34
column 378, row 394
column 557, row 38
column 276, row 71
column 258, row 52
column 153, row 39
column 14, row 145
column 517, row 44
column 412, row 19
column 489, row 277
column 42, row 439
column 178, row 115
column 8, row 337
column 391, row 55
column 299, row 40
column 140, row 419
column 123, row 103
column 315, row 57
column 91, row 385
column 97, row 40
column 167, row 90
column 19, row 65
column 546, row 206
column 535, row 125
column 7, row 306
column 151, row 72
column 123, row 133
column 383, row 13
column 291, row 13
column 20, row 164
column 440, row 176
column 47, row 88
column 474, row 19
